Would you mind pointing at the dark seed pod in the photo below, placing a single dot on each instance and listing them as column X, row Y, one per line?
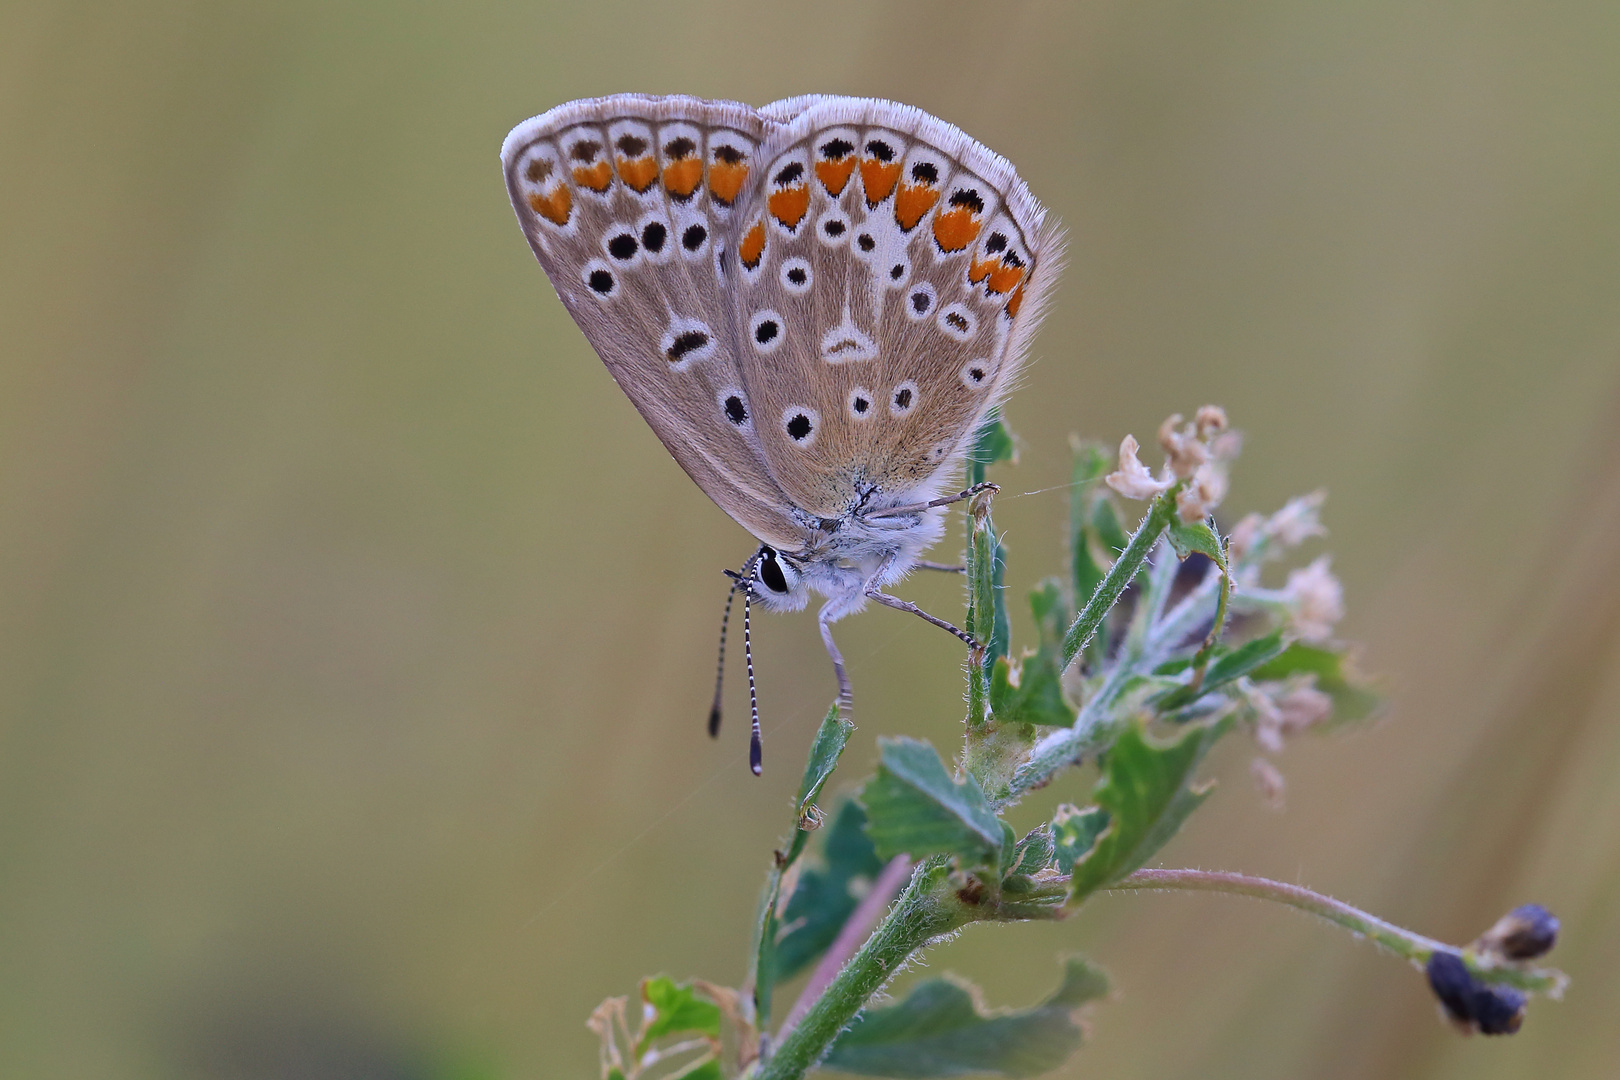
column 1524, row 933
column 1451, row 982
column 1489, row 1010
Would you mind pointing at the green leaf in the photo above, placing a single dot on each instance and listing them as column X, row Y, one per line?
column 1145, row 788
column 676, row 1008
column 1037, row 698
column 1034, row 852
column 709, row 1070
column 824, row 754
column 1336, row 676
column 1198, row 537
column 914, row 807
column 940, row 1030
column 1110, row 529
column 1074, row 831
column 1227, row 666
column 993, row 443
column 825, row 897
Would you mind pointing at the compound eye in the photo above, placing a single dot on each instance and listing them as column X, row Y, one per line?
column 770, row 572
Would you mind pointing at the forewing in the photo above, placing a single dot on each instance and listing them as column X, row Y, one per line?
column 888, row 272
column 625, row 201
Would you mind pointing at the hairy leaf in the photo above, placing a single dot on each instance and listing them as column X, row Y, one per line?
column 825, row 897
column 1073, row 832
column 824, row 754
column 914, row 807
column 941, row 1029
column 1145, row 788
column 1198, row 537
column 1227, row 666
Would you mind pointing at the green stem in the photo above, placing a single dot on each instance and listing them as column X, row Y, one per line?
column 919, row 914
column 1085, row 624
column 1402, row 942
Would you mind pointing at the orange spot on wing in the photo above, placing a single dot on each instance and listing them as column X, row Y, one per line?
column 598, row 177
column 912, row 203
column 982, row 269
column 790, row 205
column 877, row 179
column 835, row 174
column 682, row 177
column 639, row 173
column 1004, row 277
column 554, row 207
column 726, row 180
column 955, row 229
column 1016, row 302
column 752, row 248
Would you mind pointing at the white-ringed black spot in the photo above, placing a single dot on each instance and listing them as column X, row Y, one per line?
column 622, row 247
column 600, row 278
column 795, row 275
column 693, row 236
column 860, row 403
column 903, row 399
column 765, row 330
column 925, row 172
column 686, row 342
column 957, row 322
column 833, row 227
column 975, row 373
column 652, row 236
column 735, row 409
column 788, row 174
column 898, row 274
column 879, row 149
column 689, row 342
column 865, row 242
column 997, row 242
column 920, row 301
column 800, row 422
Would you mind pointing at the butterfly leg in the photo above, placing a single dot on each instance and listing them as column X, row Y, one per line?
column 846, row 696
column 946, row 568
column 873, row 593
column 946, row 500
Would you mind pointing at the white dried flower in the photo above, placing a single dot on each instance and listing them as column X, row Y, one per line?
column 1268, row 727
column 1317, row 600
column 1203, row 493
column 1181, row 443
column 1244, row 536
column 1301, row 705
column 1298, row 521
column 1269, row 782
column 1133, row 480
column 1210, row 420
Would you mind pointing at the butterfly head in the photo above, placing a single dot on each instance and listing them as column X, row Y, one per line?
column 774, row 580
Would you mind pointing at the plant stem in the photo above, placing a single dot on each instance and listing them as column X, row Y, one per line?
column 1085, row 624
column 1402, row 942
column 918, row 915
column 850, row 935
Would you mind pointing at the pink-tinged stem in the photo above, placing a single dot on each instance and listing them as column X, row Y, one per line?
column 854, row 932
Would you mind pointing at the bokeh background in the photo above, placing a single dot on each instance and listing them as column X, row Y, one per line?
column 356, row 637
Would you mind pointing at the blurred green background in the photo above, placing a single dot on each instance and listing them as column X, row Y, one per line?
column 356, row 637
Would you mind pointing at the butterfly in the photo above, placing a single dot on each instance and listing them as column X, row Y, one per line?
column 813, row 305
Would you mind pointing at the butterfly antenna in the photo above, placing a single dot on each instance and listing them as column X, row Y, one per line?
column 720, row 668
column 756, row 750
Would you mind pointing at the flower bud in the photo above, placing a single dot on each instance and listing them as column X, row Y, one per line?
column 1471, row 1004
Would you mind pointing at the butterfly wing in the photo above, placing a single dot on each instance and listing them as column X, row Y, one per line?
column 889, row 273
column 625, row 201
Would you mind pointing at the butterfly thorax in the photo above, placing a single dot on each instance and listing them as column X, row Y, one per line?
column 842, row 559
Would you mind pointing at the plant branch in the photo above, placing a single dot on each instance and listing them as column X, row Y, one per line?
column 919, row 915
column 1402, row 942
column 1103, row 598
